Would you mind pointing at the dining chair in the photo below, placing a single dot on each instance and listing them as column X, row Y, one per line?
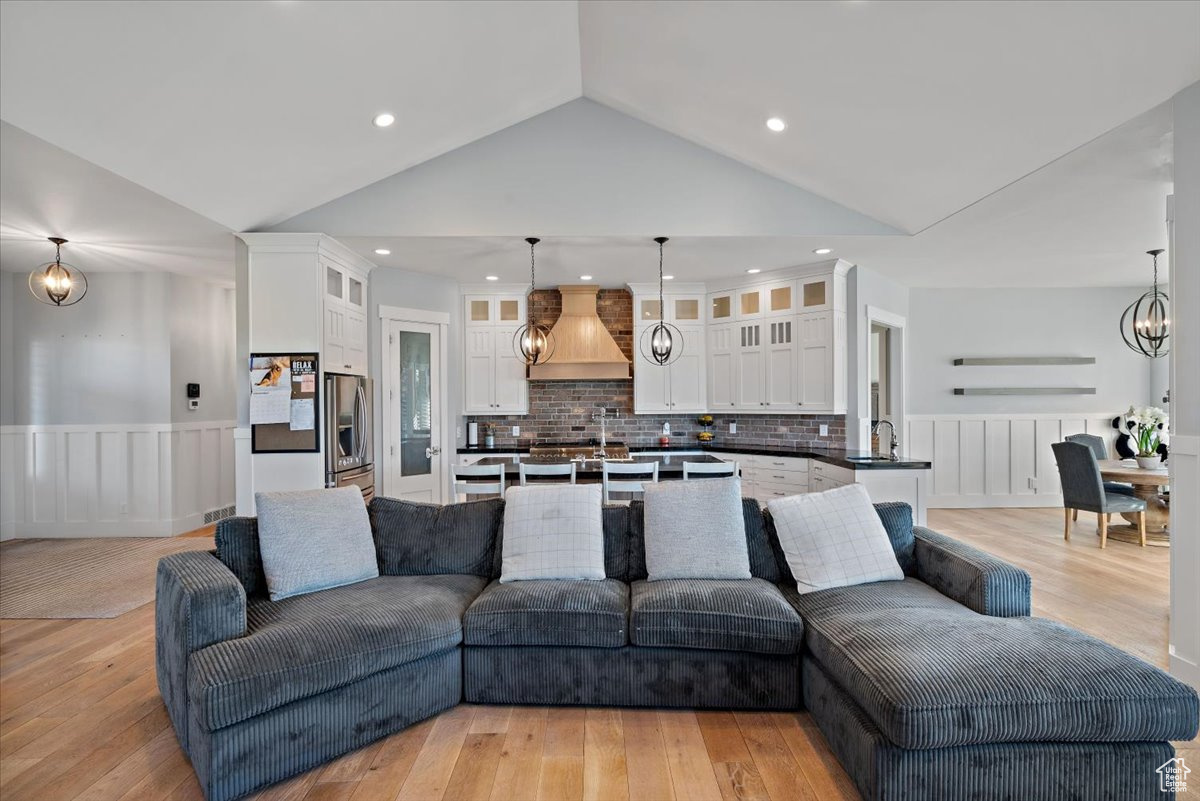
column 552, row 470
column 629, row 476
column 1083, row 488
column 709, row 469
column 472, row 479
column 1100, row 450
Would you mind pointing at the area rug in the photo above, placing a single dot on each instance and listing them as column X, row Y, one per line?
column 83, row 578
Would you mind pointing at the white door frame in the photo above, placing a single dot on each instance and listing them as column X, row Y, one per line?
column 897, row 373
column 389, row 397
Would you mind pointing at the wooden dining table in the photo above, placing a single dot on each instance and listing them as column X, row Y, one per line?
column 1146, row 485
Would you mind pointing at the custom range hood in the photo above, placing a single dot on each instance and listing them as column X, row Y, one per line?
column 583, row 348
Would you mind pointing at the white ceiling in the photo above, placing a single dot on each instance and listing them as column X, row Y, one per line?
column 905, row 111
column 112, row 224
column 249, row 113
column 1084, row 220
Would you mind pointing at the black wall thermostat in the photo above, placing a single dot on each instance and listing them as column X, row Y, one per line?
column 193, row 390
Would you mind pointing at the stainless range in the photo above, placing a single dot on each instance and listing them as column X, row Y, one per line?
column 578, row 451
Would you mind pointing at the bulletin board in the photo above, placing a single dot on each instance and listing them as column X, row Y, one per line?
column 284, row 403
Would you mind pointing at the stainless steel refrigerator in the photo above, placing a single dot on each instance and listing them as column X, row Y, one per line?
column 349, row 437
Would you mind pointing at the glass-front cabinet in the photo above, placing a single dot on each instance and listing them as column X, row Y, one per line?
column 344, row 319
column 494, row 379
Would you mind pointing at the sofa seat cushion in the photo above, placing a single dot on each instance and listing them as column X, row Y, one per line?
column 910, row 593
column 932, row 679
column 308, row 644
column 718, row 614
column 550, row 612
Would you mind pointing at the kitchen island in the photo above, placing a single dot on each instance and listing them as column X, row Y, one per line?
column 670, row 466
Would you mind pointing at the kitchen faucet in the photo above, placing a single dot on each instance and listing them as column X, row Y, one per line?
column 894, row 442
column 601, row 415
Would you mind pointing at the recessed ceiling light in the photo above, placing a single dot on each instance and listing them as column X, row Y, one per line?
column 492, row 277
column 382, row 252
column 585, row 278
column 384, row 120
column 753, row 270
column 668, row 278
column 777, row 125
column 823, row 251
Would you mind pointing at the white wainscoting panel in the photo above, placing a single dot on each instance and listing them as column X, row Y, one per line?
column 985, row 460
column 113, row 480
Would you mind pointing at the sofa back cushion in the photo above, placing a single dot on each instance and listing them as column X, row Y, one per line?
column 237, row 548
column 424, row 539
column 765, row 558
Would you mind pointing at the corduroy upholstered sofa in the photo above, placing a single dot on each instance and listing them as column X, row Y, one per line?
column 939, row 686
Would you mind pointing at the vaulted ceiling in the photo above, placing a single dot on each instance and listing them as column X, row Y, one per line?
column 951, row 119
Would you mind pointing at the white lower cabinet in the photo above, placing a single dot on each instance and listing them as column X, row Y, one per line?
column 767, row 477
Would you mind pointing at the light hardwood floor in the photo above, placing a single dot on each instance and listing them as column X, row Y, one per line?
column 80, row 716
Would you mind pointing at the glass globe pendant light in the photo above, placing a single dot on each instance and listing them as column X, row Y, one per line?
column 661, row 343
column 1146, row 324
column 55, row 283
column 533, row 343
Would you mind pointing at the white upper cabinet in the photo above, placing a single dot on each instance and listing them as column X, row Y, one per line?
column 344, row 312
column 722, row 368
column 680, row 386
column 494, row 379
column 779, row 346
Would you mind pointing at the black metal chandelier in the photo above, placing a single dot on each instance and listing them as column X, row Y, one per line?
column 1146, row 324
column 661, row 343
column 533, row 343
column 55, row 283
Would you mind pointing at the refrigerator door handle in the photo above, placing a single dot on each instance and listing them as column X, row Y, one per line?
column 360, row 415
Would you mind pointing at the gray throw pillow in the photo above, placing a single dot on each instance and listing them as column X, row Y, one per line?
column 695, row 529
column 313, row 540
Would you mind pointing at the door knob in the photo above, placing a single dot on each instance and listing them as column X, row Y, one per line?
column 432, row 452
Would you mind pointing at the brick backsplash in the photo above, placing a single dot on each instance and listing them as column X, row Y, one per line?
column 561, row 411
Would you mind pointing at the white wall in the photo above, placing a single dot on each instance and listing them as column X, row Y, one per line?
column 949, row 323
column 866, row 288
column 202, row 350
column 104, row 360
column 1185, row 391
column 95, row 438
column 391, row 287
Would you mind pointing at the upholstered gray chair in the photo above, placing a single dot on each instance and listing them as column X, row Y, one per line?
column 1083, row 489
column 1100, row 449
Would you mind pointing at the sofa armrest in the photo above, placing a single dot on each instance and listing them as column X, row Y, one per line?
column 975, row 579
column 197, row 602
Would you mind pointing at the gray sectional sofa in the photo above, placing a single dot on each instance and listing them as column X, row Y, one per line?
column 939, row 686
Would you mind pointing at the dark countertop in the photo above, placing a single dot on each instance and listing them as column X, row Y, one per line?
column 838, row 457
column 668, row 466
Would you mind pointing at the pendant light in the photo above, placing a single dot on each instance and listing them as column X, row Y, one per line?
column 533, row 343
column 58, row 284
column 1146, row 324
column 661, row 343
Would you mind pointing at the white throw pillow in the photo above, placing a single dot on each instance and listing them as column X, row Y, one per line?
column 834, row 539
column 314, row 539
column 553, row 532
column 695, row 529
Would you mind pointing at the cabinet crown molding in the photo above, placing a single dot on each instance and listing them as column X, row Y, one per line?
column 321, row 244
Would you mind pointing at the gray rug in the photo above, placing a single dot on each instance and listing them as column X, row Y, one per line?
column 83, row 578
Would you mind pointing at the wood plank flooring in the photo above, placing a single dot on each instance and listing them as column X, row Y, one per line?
column 80, row 715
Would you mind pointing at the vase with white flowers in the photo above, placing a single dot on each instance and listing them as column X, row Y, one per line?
column 1148, row 427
